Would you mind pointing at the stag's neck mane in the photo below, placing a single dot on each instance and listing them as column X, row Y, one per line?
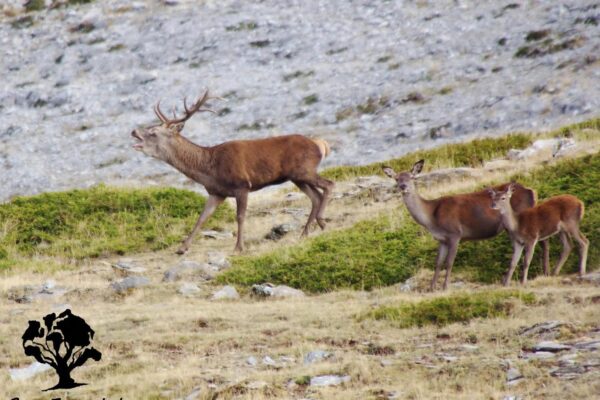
column 419, row 208
column 188, row 157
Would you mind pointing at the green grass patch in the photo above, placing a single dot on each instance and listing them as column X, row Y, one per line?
column 470, row 154
column 99, row 221
column 371, row 254
column 446, row 310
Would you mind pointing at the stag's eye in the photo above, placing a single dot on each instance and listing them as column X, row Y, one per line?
column 152, row 134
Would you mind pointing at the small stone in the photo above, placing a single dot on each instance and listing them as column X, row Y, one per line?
column 329, row 380
column 131, row 282
column 217, row 235
column 316, row 355
column 252, row 361
column 226, row 293
column 469, row 347
column 188, row 289
column 265, row 289
column 541, row 328
column 20, row 374
column 218, row 259
column 282, row 291
column 592, row 277
column 48, row 286
column 268, row 361
column 385, row 363
column 513, row 374
column 539, row 355
column 126, row 268
column 279, row 231
column 591, row 345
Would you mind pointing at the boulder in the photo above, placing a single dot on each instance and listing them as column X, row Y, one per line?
column 129, row 283
column 226, row 293
column 329, row 380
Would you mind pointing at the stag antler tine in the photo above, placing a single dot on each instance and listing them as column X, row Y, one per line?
column 185, row 104
column 159, row 113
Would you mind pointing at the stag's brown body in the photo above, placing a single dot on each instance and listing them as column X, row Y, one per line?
column 235, row 168
column 451, row 219
column 558, row 215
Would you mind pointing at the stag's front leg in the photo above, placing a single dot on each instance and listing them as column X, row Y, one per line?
column 241, row 200
column 209, row 208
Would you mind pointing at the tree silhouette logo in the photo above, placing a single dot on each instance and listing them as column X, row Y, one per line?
column 64, row 343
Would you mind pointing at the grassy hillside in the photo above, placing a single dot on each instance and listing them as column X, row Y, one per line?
column 98, row 221
column 468, row 154
column 389, row 249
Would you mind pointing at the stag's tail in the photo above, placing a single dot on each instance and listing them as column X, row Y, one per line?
column 323, row 147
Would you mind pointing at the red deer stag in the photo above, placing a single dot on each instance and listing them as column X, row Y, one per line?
column 451, row 219
column 558, row 215
column 235, row 168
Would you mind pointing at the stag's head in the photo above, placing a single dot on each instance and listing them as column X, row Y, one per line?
column 156, row 140
column 406, row 179
column 501, row 200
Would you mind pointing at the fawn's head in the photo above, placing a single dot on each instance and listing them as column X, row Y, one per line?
column 157, row 140
column 406, row 179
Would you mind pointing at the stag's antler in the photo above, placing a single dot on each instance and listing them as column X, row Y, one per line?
column 197, row 106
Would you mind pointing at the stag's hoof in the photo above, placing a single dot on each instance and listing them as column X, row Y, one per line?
column 238, row 249
column 182, row 250
column 322, row 223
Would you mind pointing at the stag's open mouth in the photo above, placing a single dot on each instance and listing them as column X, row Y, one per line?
column 140, row 143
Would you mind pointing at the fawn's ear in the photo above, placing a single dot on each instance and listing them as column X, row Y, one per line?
column 417, row 167
column 389, row 172
column 511, row 189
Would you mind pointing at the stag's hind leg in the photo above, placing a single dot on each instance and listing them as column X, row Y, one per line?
column 241, row 201
column 315, row 199
column 327, row 186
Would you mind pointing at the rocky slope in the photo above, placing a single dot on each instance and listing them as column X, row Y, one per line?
column 375, row 79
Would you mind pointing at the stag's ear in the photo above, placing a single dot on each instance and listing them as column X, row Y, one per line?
column 389, row 171
column 417, row 167
column 178, row 127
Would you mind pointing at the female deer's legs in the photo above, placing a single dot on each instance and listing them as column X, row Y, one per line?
column 517, row 251
column 452, row 249
column 584, row 245
column 441, row 257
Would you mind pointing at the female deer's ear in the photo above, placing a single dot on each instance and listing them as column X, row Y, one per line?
column 389, row 172
column 491, row 192
column 417, row 167
column 510, row 189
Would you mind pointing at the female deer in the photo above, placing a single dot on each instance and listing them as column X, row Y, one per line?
column 558, row 215
column 451, row 219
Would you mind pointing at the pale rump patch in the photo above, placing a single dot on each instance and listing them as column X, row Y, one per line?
column 323, row 147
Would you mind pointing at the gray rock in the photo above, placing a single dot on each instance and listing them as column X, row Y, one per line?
column 265, row 289
column 21, row 374
column 226, row 293
column 513, row 374
column 553, row 347
column 539, row 355
column 217, row 234
column 203, row 270
column 592, row 277
column 218, row 259
column 188, row 289
column 279, row 231
column 329, row 380
column 317, row 356
column 541, row 327
column 129, row 283
column 268, row 361
column 251, row 361
column 282, row 291
column 127, row 267
column 590, row 345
